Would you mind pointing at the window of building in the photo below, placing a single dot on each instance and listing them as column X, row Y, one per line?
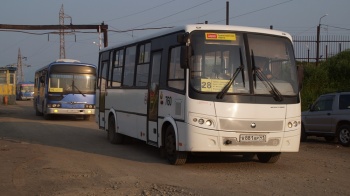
column 3, row 79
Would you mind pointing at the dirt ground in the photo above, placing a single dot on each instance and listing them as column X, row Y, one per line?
column 29, row 167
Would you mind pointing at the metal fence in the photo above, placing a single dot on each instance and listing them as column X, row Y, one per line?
column 305, row 47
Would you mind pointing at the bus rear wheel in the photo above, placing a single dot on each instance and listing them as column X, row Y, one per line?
column 112, row 135
column 174, row 157
column 268, row 157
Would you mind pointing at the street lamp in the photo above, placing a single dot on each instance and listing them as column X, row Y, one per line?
column 97, row 44
column 318, row 39
column 319, row 22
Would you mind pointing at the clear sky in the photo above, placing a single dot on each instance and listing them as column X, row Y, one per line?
column 297, row 17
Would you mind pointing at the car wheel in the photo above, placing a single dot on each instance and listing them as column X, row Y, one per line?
column 344, row 135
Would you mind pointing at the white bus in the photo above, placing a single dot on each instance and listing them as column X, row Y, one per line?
column 203, row 88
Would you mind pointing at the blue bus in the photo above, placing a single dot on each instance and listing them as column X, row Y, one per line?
column 25, row 91
column 65, row 87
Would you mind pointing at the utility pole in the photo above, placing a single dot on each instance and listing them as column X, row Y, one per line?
column 62, row 45
column 227, row 13
column 318, row 40
column 20, row 77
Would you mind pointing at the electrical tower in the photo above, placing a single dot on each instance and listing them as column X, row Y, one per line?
column 20, row 77
column 62, row 16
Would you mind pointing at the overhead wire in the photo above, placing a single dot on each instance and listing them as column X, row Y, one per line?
column 174, row 13
column 143, row 11
column 258, row 10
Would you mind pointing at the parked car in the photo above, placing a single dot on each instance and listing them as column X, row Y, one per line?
column 328, row 117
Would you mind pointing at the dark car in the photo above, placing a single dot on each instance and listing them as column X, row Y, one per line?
column 328, row 117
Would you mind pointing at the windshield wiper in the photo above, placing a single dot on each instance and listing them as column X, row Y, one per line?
column 73, row 85
column 223, row 92
column 267, row 83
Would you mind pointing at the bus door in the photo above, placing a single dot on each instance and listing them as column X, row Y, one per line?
column 153, row 96
column 102, row 95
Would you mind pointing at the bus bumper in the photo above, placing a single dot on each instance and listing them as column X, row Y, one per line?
column 70, row 111
column 197, row 139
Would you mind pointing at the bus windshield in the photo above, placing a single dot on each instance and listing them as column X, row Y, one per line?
column 220, row 59
column 27, row 88
column 72, row 83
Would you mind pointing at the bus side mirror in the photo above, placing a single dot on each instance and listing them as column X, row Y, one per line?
column 182, row 38
column 42, row 80
column 185, row 55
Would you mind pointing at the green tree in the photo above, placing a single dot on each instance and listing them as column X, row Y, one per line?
column 331, row 75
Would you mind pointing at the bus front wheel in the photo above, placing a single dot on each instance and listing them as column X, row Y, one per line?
column 45, row 114
column 112, row 135
column 37, row 112
column 174, row 157
column 268, row 157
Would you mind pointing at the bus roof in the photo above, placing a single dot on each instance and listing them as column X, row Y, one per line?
column 208, row 27
column 25, row 82
column 65, row 61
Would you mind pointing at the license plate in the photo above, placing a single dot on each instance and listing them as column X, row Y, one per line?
column 252, row 138
column 72, row 111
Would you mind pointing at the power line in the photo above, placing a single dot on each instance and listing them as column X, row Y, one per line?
column 141, row 11
column 141, row 29
column 174, row 13
column 338, row 27
column 258, row 10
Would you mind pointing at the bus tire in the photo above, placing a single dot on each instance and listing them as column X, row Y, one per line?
column 174, row 157
column 248, row 156
column 268, row 157
column 112, row 135
column 46, row 115
column 37, row 113
column 86, row 117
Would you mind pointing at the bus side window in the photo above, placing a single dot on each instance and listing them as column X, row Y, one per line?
column 129, row 67
column 142, row 67
column 176, row 75
column 117, row 68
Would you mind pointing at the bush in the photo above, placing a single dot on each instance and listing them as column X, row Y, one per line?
column 330, row 76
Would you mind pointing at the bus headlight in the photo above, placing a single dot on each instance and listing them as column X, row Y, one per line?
column 208, row 122
column 201, row 121
column 293, row 124
column 53, row 105
column 89, row 106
